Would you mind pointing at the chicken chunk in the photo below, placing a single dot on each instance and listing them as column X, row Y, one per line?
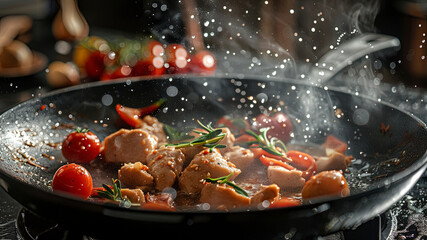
column 221, row 196
column 127, row 146
column 228, row 141
column 165, row 165
column 205, row 164
column 287, row 180
column 333, row 161
column 266, row 193
column 154, row 127
column 135, row 175
column 241, row 157
column 133, row 195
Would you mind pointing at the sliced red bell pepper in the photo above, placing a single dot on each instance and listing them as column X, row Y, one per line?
column 304, row 162
column 285, row 202
column 335, row 144
column 268, row 161
column 132, row 115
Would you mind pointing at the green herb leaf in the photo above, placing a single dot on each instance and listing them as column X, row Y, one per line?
column 175, row 135
column 224, row 180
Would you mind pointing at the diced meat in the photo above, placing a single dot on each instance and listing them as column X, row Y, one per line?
column 127, row 146
column 154, row 127
column 205, row 164
column 333, row 161
column 165, row 165
column 228, row 141
column 287, row 180
column 190, row 152
column 135, row 175
column 266, row 193
column 221, row 196
column 241, row 157
column 133, row 195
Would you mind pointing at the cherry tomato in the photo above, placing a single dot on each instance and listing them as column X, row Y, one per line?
column 73, row 179
column 203, row 62
column 151, row 66
column 95, row 65
column 122, row 71
column 81, row 146
column 177, row 59
column 280, row 125
column 335, row 144
column 153, row 49
column 326, row 183
column 285, row 202
column 304, row 162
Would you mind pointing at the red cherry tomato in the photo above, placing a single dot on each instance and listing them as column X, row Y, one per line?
column 95, row 65
column 81, row 147
column 203, row 62
column 326, row 183
column 177, row 59
column 151, row 66
column 73, row 179
column 280, row 125
column 122, row 72
column 304, row 162
column 153, row 49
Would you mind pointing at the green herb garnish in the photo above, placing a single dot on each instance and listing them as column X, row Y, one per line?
column 224, row 180
column 114, row 194
column 268, row 145
column 82, row 130
column 175, row 135
column 209, row 139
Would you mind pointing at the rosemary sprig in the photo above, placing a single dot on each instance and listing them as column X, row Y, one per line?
column 82, row 130
column 209, row 139
column 268, row 145
column 114, row 194
column 174, row 134
column 224, row 180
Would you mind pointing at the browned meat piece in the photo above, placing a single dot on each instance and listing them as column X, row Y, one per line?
column 152, row 125
column 128, row 146
column 287, row 180
column 221, row 196
column 241, row 157
column 266, row 193
column 228, row 141
column 205, row 164
column 190, row 152
column 133, row 195
column 135, row 175
column 165, row 165
column 333, row 161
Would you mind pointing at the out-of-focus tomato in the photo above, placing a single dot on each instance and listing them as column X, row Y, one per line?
column 151, row 66
column 95, row 65
column 236, row 125
column 203, row 62
column 326, row 183
column 177, row 59
column 81, row 146
column 285, row 202
column 85, row 48
column 73, row 179
column 304, row 162
column 153, row 49
column 280, row 125
column 122, row 71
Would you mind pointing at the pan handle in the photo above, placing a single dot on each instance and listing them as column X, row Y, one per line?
column 345, row 54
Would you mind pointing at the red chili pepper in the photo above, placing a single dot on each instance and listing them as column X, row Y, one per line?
column 258, row 152
column 43, row 107
column 304, row 162
column 132, row 115
column 268, row 161
column 96, row 189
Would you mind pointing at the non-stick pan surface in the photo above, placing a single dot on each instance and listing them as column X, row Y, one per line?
column 389, row 147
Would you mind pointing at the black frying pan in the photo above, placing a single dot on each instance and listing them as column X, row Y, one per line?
column 388, row 162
